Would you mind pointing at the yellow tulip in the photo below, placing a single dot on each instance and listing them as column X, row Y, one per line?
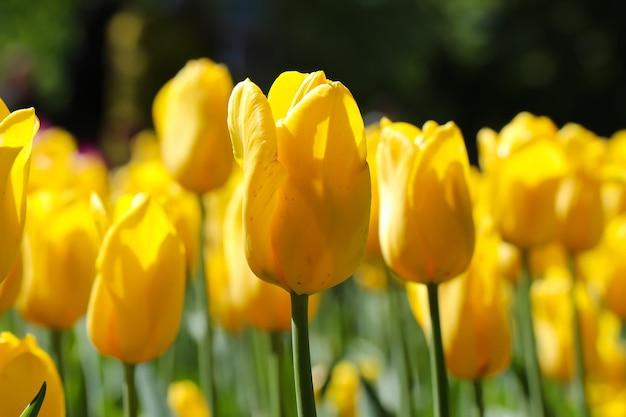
column 526, row 167
column 147, row 174
column 615, row 283
column 552, row 317
column 189, row 115
column 24, row 367
column 474, row 315
column 259, row 303
column 137, row 299
column 17, row 130
column 579, row 200
column 185, row 400
column 57, row 164
column 61, row 244
column 426, row 222
column 306, row 180
column 10, row 287
column 344, row 389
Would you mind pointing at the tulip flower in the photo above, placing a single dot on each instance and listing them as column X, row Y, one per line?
column 58, row 164
column 306, row 180
column 137, row 298
column 474, row 315
column 426, row 224
column 552, row 316
column 17, row 130
column 185, row 400
column 24, row 367
column 145, row 173
column 189, row 114
column 61, row 244
column 579, row 200
column 344, row 389
column 307, row 191
column 524, row 199
column 426, row 218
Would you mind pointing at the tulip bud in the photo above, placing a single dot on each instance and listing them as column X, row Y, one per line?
column 189, row 115
column 137, row 299
column 24, row 367
column 61, row 244
column 306, row 180
column 526, row 174
column 17, row 130
column 426, row 221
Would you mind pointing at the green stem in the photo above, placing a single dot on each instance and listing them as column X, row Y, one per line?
column 397, row 347
column 57, row 348
column 533, row 375
column 579, row 381
column 437, row 360
column 278, row 375
column 131, row 405
column 205, row 342
column 478, row 397
column 305, row 398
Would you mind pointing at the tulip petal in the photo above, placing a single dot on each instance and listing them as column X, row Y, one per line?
column 4, row 110
column 282, row 92
column 253, row 134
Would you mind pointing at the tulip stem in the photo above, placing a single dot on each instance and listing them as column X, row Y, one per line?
column 533, row 375
column 57, row 348
column 278, row 371
column 131, row 405
column 397, row 346
column 205, row 342
column 579, row 381
column 478, row 397
column 437, row 360
column 305, row 398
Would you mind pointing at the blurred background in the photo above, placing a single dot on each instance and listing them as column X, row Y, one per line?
column 94, row 66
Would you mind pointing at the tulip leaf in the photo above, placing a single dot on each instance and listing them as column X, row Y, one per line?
column 32, row 410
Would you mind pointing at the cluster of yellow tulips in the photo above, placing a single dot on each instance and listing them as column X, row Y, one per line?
column 244, row 210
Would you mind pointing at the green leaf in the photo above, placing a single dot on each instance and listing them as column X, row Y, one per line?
column 32, row 410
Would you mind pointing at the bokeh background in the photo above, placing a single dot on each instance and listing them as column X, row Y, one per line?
column 94, row 66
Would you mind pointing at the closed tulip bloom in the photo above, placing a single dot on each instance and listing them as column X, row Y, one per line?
column 579, row 200
column 185, row 400
column 24, row 367
column 426, row 223
column 307, row 190
column 552, row 317
column 17, row 130
column 526, row 173
column 474, row 315
column 189, row 114
column 61, row 244
column 137, row 299
column 145, row 173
